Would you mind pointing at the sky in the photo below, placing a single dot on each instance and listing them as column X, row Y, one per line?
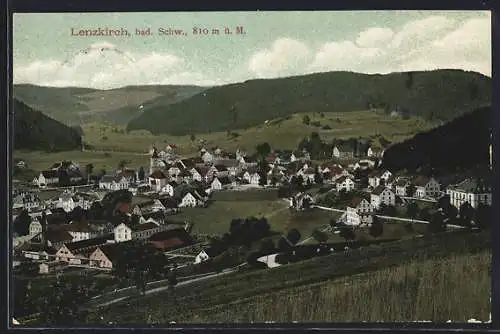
column 48, row 50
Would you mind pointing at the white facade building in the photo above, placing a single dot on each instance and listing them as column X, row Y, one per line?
column 474, row 192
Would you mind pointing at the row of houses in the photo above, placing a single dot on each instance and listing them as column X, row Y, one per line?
column 102, row 252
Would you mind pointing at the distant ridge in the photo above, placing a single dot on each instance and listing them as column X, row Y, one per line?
column 439, row 95
column 76, row 105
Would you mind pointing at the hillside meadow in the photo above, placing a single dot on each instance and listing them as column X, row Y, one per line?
column 109, row 144
column 453, row 288
column 283, row 133
column 441, row 277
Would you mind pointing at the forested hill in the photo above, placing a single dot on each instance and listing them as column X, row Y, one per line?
column 35, row 131
column 436, row 95
column 462, row 144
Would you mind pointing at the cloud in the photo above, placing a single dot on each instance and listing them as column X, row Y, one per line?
column 345, row 56
column 419, row 32
column 426, row 44
column 103, row 66
column 467, row 47
column 286, row 56
column 374, row 37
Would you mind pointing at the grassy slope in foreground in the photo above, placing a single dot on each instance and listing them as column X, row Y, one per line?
column 438, row 289
column 440, row 94
column 196, row 299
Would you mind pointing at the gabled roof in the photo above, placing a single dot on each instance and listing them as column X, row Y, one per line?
column 36, row 247
column 128, row 173
column 111, row 178
column 112, row 250
column 345, row 147
column 342, row 179
column 185, row 173
column 169, row 202
column 473, row 186
column 356, row 201
column 56, row 235
column 157, row 174
column 173, row 184
column 82, row 245
column 221, row 168
column 50, row 174
column 178, row 165
column 167, row 244
column 420, row 180
column 147, row 204
column 80, row 227
column 402, row 182
column 376, row 173
column 180, row 233
column 379, row 190
column 143, row 227
column 157, row 215
column 189, row 162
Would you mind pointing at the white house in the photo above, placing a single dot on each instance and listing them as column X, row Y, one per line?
column 201, row 257
column 307, row 174
column 189, row 200
column 221, row 171
column 122, row 233
column 299, row 200
column 345, row 183
column 46, row 178
column 343, row 151
column 82, row 231
column 35, row 227
column 175, row 170
column 375, row 178
column 66, row 202
column 196, row 174
column 113, row 182
column 426, row 187
column 252, row 178
column 26, row 201
column 383, row 195
column 473, row 191
column 401, row 187
column 216, row 184
column 169, row 188
column 375, row 152
column 207, row 157
column 358, row 212
column 157, row 180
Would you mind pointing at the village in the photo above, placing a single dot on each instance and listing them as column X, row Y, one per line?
column 61, row 235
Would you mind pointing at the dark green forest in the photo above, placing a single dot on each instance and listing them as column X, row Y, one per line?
column 440, row 95
column 35, row 131
column 462, row 144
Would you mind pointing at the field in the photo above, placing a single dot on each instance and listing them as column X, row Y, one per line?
column 108, row 161
column 414, row 279
column 395, row 294
column 228, row 205
column 283, row 133
column 111, row 144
